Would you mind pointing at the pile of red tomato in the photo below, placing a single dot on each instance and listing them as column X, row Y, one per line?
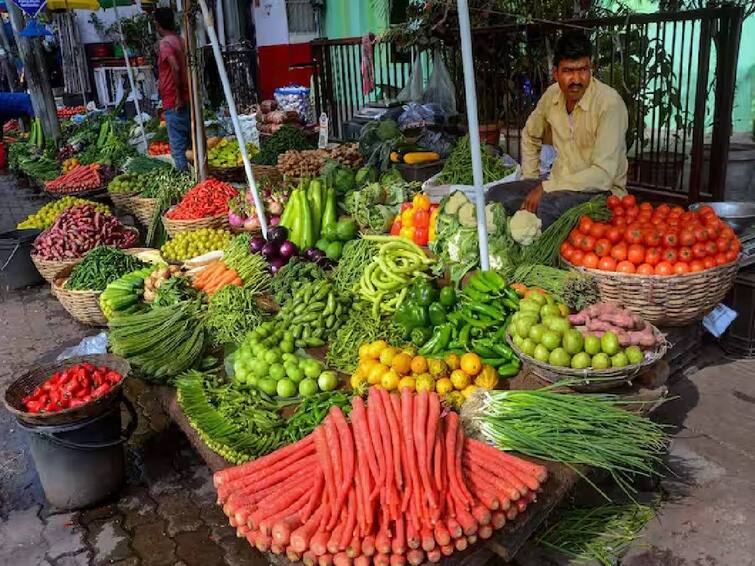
column 70, row 388
column 647, row 240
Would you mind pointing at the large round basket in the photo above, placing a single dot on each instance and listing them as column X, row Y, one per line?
column 49, row 268
column 227, row 174
column 27, row 382
column 122, row 201
column 266, row 171
column 82, row 305
column 592, row 379
column 666, row 301
column 143, row 208
column 173, row 227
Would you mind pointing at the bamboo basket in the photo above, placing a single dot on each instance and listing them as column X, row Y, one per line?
column 173, row 227
column 143, row 208
column 49, row 268
column 34, row 377
column 593, row 379
column 82, row 305
column 122, row 201
column 666, row 301
column 227, row 174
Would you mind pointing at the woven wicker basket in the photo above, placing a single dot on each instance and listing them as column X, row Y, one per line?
column 666, row 301
column 227, row 174
column 122, row 201
column 269, row 171
column 84, row 306
column 25, row 384
column 143, row 208
column 592, row 379
column 49, row 268
column 173, row 227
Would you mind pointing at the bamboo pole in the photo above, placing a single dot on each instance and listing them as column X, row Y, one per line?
column 198, row 140
column 210, row 26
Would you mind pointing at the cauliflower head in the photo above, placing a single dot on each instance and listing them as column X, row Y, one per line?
column 525, row 227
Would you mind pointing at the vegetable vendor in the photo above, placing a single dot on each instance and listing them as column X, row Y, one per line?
column 587, row 123
column 173, row 86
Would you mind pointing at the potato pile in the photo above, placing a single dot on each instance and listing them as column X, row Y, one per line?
column 309, row 162
column 155, row 279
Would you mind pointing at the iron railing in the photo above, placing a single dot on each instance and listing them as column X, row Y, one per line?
column 241, row 65
column 675, row 72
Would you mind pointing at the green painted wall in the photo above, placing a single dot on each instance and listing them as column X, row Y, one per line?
column 350, row 18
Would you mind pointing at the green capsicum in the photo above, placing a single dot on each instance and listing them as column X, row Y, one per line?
column 411, row 315
column 422, row 292
column 447, row 296
column 437, row 314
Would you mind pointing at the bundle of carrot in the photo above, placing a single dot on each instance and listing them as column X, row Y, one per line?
column 80, row 178
column 216, row 276
column 399, row 484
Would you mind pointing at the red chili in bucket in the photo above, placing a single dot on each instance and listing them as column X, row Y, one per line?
column 70, row 388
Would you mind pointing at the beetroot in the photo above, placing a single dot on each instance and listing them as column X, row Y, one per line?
column 78, row 230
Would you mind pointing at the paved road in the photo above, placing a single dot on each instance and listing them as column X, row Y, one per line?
column 167, row 515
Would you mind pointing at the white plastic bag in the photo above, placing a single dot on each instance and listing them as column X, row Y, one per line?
column 412, row 91
column 440, row 87
column 436, row 190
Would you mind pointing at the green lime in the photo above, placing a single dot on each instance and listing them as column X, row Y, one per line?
column 294, row 373
column 541, row 353
column 592, row 344
column 609, row 343
column 286, row 388
column 601, row 361
column 536, row 333
column 528, row 346
column 557, row 324
column 271, row 356
column 269, row 386
column 634, row 355
column 277, row 371
column 580, row 360
column 307, row 387
column 619, row 360
column 559, row 357
column 312, row 368
column 261, row 369
column 287, row 347
column 551, row 340
column 573, row 341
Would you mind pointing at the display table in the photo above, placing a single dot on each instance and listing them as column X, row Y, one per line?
column 505, row 542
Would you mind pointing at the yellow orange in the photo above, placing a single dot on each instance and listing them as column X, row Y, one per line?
column 390, row 380
column 364, row 351
column 402, row 363
column 460, row 379
column 444, row 386
column 407, row 381
column 471, row 363
column 425, row 382
column 487, row 378
column 437, row 367
column 419, row 364
column 387, row 355
column 376, row 347
column 455, row 399
column 452, row 361
column 358, row 381
column 468, row 391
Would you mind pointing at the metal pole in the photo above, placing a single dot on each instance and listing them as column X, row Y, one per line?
column 470, row 94
column 234, row 115
column 130, row 77
column 195, row 96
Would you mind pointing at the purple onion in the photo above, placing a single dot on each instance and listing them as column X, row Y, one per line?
column 269, row 251
column 277, row 263
column 288, row 249
column 256, row 244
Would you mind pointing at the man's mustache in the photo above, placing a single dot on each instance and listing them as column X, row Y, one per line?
column 575, row 85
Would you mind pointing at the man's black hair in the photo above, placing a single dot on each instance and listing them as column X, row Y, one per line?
column 572, row 44
column 164, row 17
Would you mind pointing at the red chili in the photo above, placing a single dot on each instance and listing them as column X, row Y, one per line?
column 70, row 388
column 208, row 198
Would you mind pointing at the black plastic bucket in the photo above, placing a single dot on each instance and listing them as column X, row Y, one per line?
column 81, row 463
column 16, row 267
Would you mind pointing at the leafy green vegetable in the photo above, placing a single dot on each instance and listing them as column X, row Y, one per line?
column 173, row 291
column 376, row 141
column 286, row 138
column 458, row 167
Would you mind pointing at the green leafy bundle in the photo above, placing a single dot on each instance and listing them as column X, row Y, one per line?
column 286, row 138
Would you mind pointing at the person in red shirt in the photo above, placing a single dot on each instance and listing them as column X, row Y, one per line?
column 173, row 86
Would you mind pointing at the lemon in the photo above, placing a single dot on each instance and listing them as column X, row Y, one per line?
column 364, row 351
column 444, row 386
column 366, row 365
column 471, row 363
column 376, row 347
column 468, row 391
column 387, row 355
column 390, row 380
column 437, row 367
column 376, row 374
column 407, row 381
column 455, row 399
column 460, row 380
column 425, row 382
column 402, row 363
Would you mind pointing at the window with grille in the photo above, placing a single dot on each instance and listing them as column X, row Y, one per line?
column 301, row 17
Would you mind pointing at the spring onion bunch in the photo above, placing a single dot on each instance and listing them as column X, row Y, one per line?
column 591, row 430
column 600, row 534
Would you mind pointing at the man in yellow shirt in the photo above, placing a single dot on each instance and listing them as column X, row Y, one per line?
column 587, row 123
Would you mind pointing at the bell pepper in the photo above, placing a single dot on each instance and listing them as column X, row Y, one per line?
column 421, row 201
column 407, row 232
column 405, row 206
column 421, row 218
column 420, row 236
column 447, row 296
column 422, row 293
column 396, row 227
column 412, row 315
column 407, row 217
column 437, row 314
